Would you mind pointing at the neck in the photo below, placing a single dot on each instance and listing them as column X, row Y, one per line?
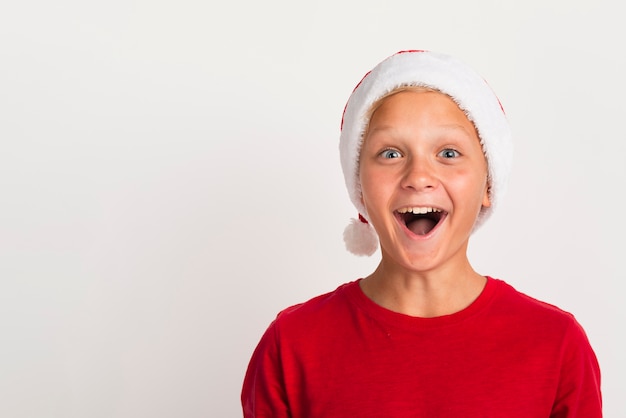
column 424, row 293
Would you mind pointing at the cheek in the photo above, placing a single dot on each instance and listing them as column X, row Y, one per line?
column 471, row 186
column 372, row 186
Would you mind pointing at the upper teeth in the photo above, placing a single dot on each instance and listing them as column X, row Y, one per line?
column 418, row 210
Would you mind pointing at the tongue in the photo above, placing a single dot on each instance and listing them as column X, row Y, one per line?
column 421, row 226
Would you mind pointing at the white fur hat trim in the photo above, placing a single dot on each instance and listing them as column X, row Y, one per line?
column 440, row 72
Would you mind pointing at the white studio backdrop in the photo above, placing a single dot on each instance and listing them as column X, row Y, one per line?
column 170, row 180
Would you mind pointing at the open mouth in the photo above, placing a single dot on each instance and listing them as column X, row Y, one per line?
column 420, row 220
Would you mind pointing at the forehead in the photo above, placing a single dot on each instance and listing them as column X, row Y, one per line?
column 417, row 103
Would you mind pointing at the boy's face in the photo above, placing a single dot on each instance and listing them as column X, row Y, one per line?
column 421, row 154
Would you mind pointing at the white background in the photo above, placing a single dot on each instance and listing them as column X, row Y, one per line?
column 170, row 180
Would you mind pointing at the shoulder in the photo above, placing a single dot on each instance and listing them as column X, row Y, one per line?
column 510, row 300
column 558, row 337
column 544, row 325
column 298, row 324
column 317, row 308
column 310, row 325
column 543, row 320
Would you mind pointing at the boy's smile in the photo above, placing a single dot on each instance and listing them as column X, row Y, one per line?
column 423, row 178
column 420, row 220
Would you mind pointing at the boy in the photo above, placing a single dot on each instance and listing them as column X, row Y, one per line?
column 425, row 150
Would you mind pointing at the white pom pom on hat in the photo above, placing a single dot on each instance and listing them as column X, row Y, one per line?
column 440, row 72
column 360, row 237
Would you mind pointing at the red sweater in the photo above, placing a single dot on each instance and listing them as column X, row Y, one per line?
column 341, row 355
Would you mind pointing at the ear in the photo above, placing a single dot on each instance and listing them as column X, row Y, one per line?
column 486, row 198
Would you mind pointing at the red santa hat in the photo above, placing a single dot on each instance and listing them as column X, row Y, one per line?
column 439, row 72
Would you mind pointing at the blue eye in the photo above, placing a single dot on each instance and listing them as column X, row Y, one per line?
column 390, row 153
column 449, row 153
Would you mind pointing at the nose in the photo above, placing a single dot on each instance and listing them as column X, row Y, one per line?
column 419, row 174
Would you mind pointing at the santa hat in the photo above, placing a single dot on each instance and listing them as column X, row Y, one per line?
column 439, row 72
